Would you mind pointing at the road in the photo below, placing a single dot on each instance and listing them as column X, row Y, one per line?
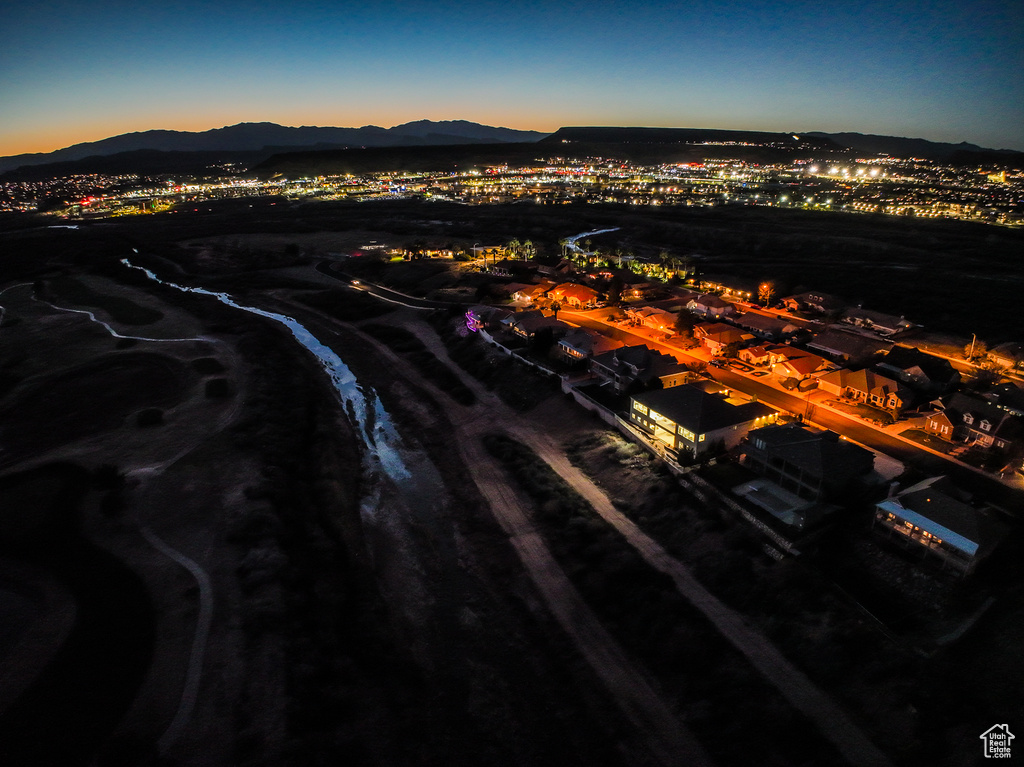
column 384, row 294
column 852, row 428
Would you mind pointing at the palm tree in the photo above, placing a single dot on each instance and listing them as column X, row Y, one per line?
column 529, row 250
column 513, row 247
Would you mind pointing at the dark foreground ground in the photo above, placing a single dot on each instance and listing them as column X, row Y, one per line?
column 345, row 622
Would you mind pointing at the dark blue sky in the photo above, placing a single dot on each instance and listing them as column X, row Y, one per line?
column 945, row 71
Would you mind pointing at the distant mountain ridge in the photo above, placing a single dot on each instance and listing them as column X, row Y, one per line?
column 897, row 146
column 254, row 137
column 435, row 145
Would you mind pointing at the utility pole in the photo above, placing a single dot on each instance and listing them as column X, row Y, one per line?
column 970, row 357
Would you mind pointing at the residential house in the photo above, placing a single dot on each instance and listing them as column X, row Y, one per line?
column 715, row 336
column 710, row 305
column 735, row 287
column 797, row 364
column 755, row 355
column 877, row 322
column 682, row 295
column 974, row 421
column 814, row 302
column 482, row 317
column 1007, row 396
column 687, row 419
column 865, row 386
column 537, row 291
column 816, row 465
column 583, row 343
column 918, row 370
column 576, row 296
column 847, row 348
column 559, row 271
column 630, row 365
column 644, row 291
column 928, row 518
column 528, row 324
column 653, row 318
column 763, row 326
column 1008, row 355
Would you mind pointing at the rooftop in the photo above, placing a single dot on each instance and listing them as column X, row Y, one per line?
column 698, row 411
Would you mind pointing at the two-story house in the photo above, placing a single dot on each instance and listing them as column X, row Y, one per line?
column 623, row 368
column 816, row 465
column 688, row 419
column 929, row 519
column 974, row 421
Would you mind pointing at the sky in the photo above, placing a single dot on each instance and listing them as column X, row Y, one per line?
column 946, row 71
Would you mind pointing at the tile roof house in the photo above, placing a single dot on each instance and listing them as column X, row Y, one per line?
column 628, row 365
column 715, row 336
column 688, row 419
column 710, row 305
column 929, row 519
column 865, row 386
column 800, row 366
column 755, row 355
column 577, row 296
column 654, row 318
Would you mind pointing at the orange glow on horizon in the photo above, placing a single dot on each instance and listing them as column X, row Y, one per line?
column 62, row 134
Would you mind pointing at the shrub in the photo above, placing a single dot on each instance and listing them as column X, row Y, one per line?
column 207, row 366
column 151, row 416
column 218, row 388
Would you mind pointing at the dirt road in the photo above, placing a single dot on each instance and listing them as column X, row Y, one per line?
column 793, row 684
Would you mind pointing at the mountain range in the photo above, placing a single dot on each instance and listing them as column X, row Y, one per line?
column 270, row 138
column 273, row 148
